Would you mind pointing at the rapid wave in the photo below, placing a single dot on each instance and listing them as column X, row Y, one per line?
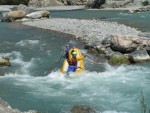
column 116, row 90
column 28, row 43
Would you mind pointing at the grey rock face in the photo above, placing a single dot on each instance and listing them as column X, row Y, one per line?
column 123, row 44
column 139, row 55
column 6, row 108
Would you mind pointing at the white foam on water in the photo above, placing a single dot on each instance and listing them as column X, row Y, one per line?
column 28, row 42
column 113, row 112
column 117, row 87
column 16, row 58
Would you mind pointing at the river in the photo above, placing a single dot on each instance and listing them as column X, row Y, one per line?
column 34, row 80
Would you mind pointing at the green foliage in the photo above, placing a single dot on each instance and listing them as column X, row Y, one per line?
column 145, row 3
column 13, row 2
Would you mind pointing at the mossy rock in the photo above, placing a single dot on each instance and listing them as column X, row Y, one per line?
column 118, row 59
column 4, row 62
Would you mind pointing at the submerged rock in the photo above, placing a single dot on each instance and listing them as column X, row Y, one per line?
column 4, row 61
column 82, row 109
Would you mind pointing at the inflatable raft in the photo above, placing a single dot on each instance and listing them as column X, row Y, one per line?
column 80, row 62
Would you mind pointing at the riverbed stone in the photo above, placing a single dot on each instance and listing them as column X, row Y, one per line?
column 117, row 59
column 13, row 15
column 82, row 109
column 4, row 61
column 139, row 55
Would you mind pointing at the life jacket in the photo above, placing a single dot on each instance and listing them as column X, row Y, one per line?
column 72, row 62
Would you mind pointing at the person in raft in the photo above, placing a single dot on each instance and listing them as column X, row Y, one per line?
column 73, row 62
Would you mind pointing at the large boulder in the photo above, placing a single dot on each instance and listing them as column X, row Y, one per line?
column 139, row 55
column 13, row 15
column 4, row 61
column 98, row 3
column 95, row 3
column 38, row 14
column 125, row 44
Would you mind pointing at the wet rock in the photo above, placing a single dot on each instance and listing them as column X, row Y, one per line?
column 106, row 42
column 148, row 49
column 109, row 52
column 38, row 14
column 82, row 109
column 117, row 59
column 139, row 55
column 4, row 61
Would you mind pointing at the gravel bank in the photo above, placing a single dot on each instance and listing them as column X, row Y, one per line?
column 90, row 31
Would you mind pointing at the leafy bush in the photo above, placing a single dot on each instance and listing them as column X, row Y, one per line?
column 13, row 2
column 145, row 3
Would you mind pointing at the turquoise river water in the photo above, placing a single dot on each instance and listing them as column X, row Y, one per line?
column 30, row 82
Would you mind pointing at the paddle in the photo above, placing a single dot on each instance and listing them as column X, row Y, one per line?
column 93, row 59
column 60, row 57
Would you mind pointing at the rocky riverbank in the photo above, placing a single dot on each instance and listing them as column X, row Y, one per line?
column 92, row 32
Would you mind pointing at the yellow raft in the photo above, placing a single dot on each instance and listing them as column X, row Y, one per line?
column 80, row 61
